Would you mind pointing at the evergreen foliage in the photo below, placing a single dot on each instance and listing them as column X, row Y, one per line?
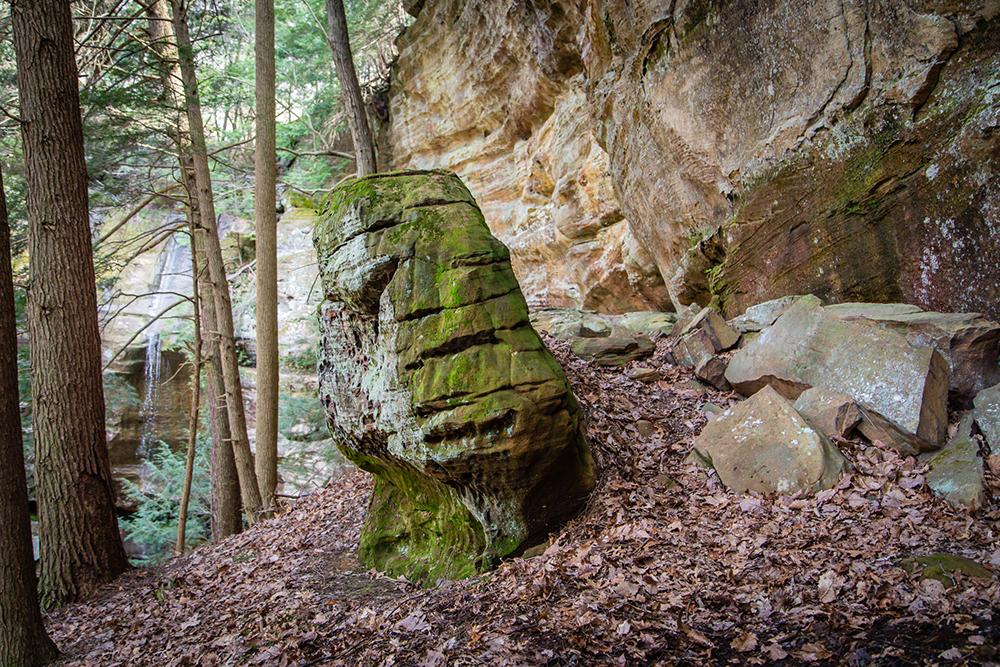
column 153, row 527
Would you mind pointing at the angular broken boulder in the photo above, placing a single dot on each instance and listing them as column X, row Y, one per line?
column 435, row 382
column 711, row 323
column 808, row 347
column 763, row 444
column 969, row 342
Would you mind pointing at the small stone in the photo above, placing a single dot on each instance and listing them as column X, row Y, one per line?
column 713, row 371
column 693, row 386
column 645, row 428
column 711, row 410
column 644, row 374
column 721, row 334
column 664, row 482
column 763, row 444
column 833, row 413
column 987, row 414
column 613, row 350
column 956, row 472
column 536, row 550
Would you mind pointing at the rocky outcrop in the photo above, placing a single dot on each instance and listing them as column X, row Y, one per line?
column 434, row 380
column 807, row 347
column 496, row 93
column 763, row 444
column 741, row 150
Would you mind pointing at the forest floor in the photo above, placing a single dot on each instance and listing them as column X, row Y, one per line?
column 663, row 566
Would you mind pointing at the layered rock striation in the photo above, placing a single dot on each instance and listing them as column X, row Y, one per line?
column 434, row 380
column 734, row 151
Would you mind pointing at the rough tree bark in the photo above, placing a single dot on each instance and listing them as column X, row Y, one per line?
column 249, row 490
column 343, row 61
column 265, row 178
column 225, row 517
column 80, row 543
column 23, row 641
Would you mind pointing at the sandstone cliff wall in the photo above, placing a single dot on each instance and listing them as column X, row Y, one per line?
column 728, row 151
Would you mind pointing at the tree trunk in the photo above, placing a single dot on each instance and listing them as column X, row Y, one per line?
column 22, row 634
column 195, row 404
column 226, row 519
column 217, row 272
column 265, row 177
column 80, row 543
column 357, row 119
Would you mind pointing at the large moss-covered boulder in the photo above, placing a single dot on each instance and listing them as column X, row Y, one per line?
column 434, row 380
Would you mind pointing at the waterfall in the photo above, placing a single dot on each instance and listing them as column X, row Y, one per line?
column 168, row 280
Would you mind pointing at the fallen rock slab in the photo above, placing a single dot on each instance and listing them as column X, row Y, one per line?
column 693, row 348
column 833, row 413
column 649, row 322
column 969, row 342
column 956, row 472
column 877, row 428
column 434, row 381
column 807, row 347
column 570, row 323
column 763, row 444
column 615, row 350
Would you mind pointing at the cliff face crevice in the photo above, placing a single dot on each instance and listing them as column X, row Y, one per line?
column 718, row 151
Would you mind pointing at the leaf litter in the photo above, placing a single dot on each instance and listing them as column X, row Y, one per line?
column 664, row 565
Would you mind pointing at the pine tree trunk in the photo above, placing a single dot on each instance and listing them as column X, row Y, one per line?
column 80, row 543
column 195, row 404
column 249, row 490
column 343, row 61
column 225, row 518
column 265, row 177
column 22, row 634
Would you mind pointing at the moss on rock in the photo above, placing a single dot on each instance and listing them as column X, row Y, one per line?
column 436, row 383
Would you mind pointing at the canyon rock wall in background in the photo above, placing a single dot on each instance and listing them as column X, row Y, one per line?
column 718, row 151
